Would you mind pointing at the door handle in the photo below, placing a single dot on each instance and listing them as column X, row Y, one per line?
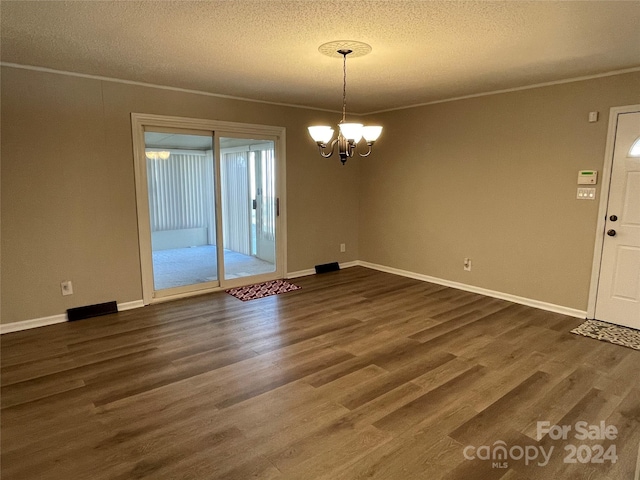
column 611, row 233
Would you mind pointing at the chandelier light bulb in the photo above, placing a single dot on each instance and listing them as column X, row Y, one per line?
column 371, row 133
column 321, row 133
column 351, row 131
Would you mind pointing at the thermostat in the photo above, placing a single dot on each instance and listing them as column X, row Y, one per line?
column 587, row 177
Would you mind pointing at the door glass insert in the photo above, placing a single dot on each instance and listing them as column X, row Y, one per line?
column 634, row 151
column 249, row 206
column 181, row 187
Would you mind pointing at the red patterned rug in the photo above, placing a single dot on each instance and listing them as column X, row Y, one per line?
column 261, row 290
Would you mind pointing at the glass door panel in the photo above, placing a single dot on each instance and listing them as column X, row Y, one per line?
column 182, row 216
column 249, row 207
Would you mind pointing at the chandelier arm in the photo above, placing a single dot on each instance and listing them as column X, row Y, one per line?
column 325, row 155
column 352, row 148
column 331, row 147
column 368, row 151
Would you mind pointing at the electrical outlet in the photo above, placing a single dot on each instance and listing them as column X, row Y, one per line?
column 66, row 287
column 467, row 264
column 343, row 247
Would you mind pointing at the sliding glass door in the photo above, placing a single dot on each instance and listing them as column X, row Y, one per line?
column 208, row 205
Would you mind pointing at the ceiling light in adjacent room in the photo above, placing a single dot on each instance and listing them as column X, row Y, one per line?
column 155, row 155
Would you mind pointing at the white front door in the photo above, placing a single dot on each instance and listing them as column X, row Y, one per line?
column 618, row 295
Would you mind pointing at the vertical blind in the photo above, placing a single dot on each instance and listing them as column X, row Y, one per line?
column 236, row 202
column 181, row 195
column 181, row 192
column 266, row 215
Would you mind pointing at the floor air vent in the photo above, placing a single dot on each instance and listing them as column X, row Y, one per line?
column 328, row 267
column 80, row 313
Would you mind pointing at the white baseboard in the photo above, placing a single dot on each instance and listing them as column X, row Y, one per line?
column 312, row 271
column 301, row 273
column 130, row 305
column 571, row 312
column 355, row 263
column 34, row 323
column 52, row 320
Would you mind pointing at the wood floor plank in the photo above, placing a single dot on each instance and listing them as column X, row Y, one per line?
column 425, row 406
column 431, row 445
column 358, row 375
column 282, row 377
column 503, row 380
column 385, row 383
column 626, row 419
column 351, row 450
column 488, row 422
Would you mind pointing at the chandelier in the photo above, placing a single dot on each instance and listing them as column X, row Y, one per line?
column 349, row 134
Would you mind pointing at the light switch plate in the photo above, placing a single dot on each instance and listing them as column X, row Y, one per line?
column 586, row 194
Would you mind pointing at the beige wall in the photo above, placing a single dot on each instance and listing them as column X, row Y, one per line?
column 68, row 195
column 493, row 178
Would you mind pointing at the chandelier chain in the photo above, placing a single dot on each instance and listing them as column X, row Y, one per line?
column 344, row 86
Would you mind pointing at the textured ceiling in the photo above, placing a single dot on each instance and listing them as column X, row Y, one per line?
column 423, row 51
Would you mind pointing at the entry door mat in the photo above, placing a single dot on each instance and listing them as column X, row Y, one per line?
column 261, row 290
column 627, row 337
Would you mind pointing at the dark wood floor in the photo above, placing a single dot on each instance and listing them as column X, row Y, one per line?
column 360, row 374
